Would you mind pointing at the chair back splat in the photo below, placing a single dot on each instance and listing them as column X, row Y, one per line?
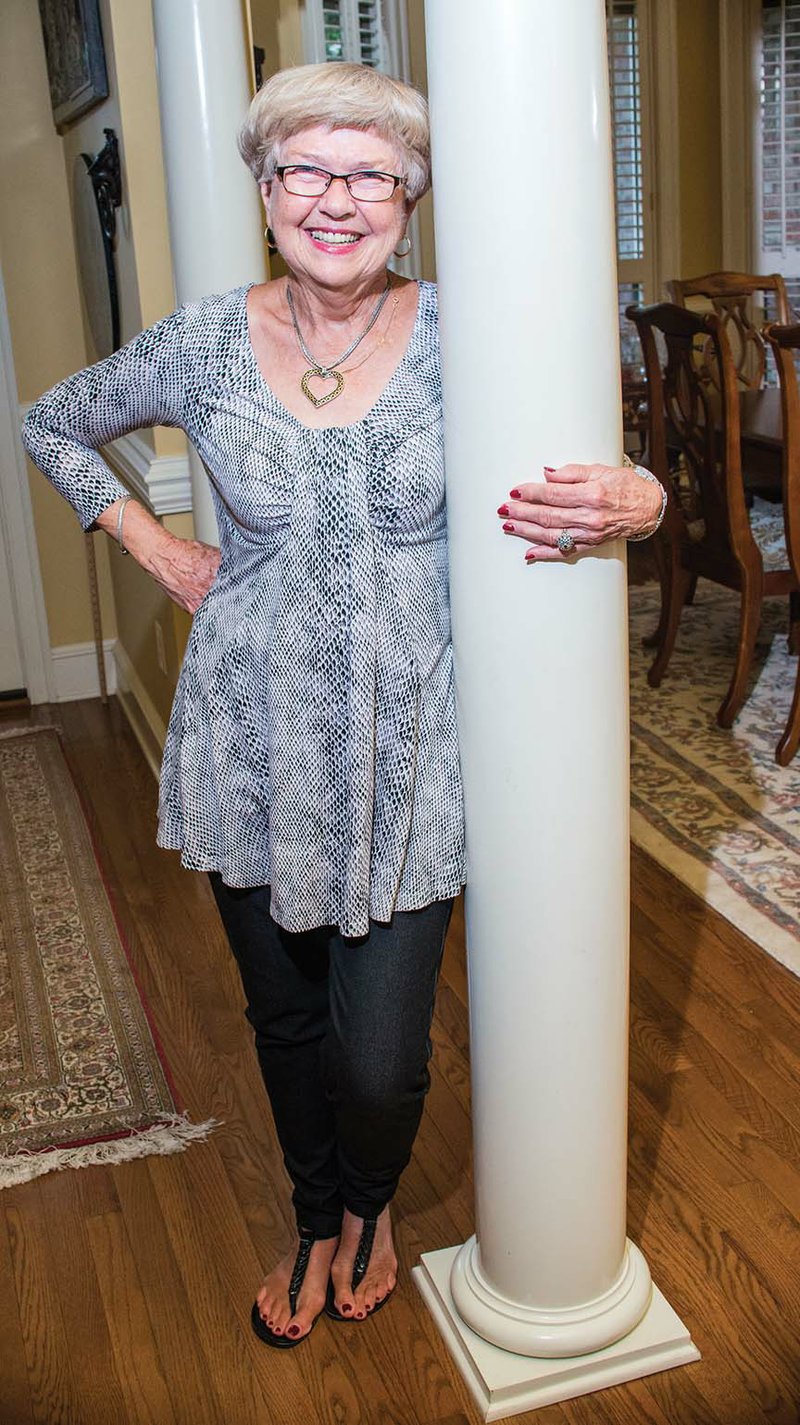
column 732, row 296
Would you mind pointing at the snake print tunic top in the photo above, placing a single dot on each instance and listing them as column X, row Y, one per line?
column 312, row 744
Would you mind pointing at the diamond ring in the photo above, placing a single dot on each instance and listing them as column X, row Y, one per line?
column 565, row 542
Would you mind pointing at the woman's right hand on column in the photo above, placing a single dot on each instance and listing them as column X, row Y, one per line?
column 184, row 568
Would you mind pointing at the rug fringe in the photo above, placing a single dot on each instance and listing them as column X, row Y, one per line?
column 23, row 731
column 168, row 1135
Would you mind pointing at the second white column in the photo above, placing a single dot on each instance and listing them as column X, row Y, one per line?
column 214, row 212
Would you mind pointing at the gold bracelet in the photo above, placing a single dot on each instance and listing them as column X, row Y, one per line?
column 646, row 475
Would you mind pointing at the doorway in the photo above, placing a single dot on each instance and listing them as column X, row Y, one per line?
column 24, row 640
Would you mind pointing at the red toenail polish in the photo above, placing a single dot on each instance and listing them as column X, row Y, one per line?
column 515, row 494
column 347, row 1307
column 508, row 527
column 294, row 1330
column 503, row 510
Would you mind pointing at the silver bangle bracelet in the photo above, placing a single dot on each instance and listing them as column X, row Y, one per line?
column 120, row 513
column 647, row 475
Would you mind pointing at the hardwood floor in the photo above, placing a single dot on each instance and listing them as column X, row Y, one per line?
column 125, row 1292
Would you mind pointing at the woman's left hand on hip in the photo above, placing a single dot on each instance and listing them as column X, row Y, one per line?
column 592, row 503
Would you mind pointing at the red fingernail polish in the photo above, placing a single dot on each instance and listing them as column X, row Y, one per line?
column 549, row 470
column 508, row 527
column 530, row 558
column 502, row 509
column 515, row 494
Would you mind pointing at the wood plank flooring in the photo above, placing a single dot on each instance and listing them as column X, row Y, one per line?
column 125, row 1292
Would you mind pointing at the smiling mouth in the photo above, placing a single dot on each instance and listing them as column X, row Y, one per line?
column 332, row 238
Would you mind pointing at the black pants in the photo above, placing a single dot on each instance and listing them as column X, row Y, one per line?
column 342, row 1031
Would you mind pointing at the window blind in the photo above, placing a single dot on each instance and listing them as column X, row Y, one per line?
column 332, row 22
column 353, row 31
column 780, row 125
column 626, row 125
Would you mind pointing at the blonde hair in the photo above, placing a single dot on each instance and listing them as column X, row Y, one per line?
column 338, row 96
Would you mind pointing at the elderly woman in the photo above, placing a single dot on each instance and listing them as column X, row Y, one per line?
column 311, row 764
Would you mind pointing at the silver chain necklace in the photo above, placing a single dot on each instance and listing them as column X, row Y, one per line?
column 328, row 372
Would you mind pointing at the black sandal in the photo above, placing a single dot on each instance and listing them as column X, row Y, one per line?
column 263, row 1331
column 360, row 1264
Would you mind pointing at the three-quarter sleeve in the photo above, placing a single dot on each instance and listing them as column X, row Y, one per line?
column 143, row 384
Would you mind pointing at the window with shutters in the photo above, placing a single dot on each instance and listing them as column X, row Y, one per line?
column 628, row 73
column 778, row 148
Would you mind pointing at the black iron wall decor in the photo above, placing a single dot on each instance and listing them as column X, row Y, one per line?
column 259, row 55
column 76, row 62
column 97, row 193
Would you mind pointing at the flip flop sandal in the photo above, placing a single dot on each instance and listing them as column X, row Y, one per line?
column 262, row 1330
column 360, row 1264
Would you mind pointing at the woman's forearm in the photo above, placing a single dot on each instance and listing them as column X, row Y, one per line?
column 143, row 536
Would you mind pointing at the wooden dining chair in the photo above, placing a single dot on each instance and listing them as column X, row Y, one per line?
column 731, row 296
column 706, row 530
column 785, row 343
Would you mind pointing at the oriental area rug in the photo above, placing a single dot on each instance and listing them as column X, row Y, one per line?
column 711, row 806
column 82, row 1077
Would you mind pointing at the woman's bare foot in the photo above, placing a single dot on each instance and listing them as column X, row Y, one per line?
column 380, row 1276
column 273, row 1298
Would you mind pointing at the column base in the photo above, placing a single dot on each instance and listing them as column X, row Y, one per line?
column 566, row 1331
column 503, row 1383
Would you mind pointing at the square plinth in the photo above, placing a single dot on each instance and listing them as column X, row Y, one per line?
column 503, row 1383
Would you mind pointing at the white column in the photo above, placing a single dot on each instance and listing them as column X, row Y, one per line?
column 215, row 219
column 526, row 259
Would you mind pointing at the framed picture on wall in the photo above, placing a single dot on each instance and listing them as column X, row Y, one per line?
column 76, row 62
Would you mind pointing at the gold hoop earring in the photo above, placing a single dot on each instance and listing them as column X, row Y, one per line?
column 406, row 251
column 272, row 246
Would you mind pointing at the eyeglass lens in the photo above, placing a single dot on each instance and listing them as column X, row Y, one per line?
column 368, row 187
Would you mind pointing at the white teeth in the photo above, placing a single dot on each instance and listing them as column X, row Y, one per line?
column 338, row 238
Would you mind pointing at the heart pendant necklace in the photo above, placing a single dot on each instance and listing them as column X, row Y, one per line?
column 328, row 372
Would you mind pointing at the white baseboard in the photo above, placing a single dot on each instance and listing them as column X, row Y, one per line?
column 147, row 725
column 74, row 670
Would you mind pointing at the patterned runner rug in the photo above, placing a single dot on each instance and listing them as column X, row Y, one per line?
column 712, row 806
column 82, row 1076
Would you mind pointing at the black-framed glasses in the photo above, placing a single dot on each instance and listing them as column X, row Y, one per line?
column 368, row 186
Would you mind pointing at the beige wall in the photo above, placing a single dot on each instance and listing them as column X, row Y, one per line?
column 49, row 333
column 44, row 307
column 144, row 267
column 264, row 22
column 699, row 136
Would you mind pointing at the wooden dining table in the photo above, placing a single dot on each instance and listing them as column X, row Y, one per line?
column 762, row 442
column 761, row 434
